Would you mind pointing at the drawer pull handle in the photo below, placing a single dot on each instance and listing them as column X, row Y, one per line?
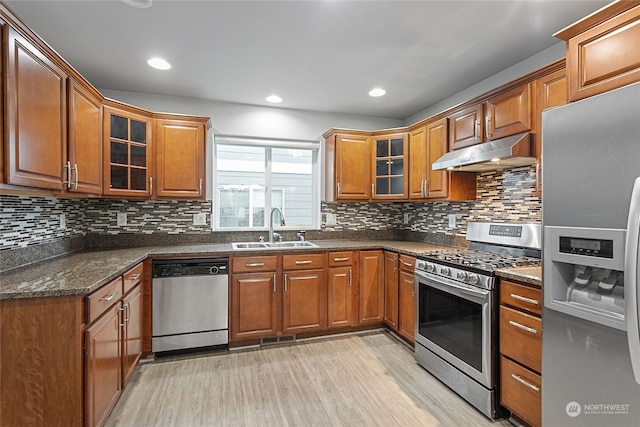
column 408, row 264
column 341, row 259
column 303, row 262
column 526, row 383
column 524, row 328
column 110, row 297
column 135, row 277
column 255, row 264
column 524, row 299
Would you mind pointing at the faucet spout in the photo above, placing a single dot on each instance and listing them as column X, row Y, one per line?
column 271, row 222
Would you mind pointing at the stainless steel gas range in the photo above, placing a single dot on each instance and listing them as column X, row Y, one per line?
column 457, row 316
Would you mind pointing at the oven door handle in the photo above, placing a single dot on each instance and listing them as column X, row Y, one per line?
column 452, row 287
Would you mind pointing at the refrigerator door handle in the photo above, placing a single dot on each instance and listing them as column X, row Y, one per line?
column 631, row 272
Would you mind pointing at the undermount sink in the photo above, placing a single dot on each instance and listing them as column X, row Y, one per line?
column 273, row 245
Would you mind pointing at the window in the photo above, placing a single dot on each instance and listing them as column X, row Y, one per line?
column 252, row 176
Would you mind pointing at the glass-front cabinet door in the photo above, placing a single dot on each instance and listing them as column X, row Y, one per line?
column 390, row 181
column 127, row 138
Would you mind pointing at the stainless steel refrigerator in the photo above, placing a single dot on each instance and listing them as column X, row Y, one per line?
column 591, row 222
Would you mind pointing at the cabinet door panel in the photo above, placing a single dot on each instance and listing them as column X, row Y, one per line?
column 85, row 140
column 371, row 276
column 437, row 181
column 304, row 301
column 509, row 113
column 391, row 289
column 418, row 163
column 340, row 297
column 132, row 332
column 406, row 306
column 254, row 305
column 466, row 127
column 353, row 168
column 103, row 366
column 180, row 159
column 36, row 117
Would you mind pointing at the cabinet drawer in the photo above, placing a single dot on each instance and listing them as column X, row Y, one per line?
column 254, row 263
column 132, row 278
column 407, row 263
column 99, row 301
column 521, row 337
column 302, row 261
column 338, row 259
column 520, row 296
column 520, row 391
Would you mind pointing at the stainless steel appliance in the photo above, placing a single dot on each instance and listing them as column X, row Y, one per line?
column 456, row 334
column 190, row 304
column 591, row 219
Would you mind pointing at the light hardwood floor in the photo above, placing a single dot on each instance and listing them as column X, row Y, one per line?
column 368, row 379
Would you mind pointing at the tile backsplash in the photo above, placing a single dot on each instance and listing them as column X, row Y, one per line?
column 27, row 220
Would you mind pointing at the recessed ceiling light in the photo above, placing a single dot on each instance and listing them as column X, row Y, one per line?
column 159, row 64
column 273, row 99
column 138, row 4
column 377, row 92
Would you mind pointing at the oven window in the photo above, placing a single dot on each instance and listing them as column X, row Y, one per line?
column 452, row 323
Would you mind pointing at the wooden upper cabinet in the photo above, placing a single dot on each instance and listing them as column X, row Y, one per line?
column 508, row 113
column 466, row 127
column 389, row 164
column 426, row 145
column 84, row 160
column 353, row 167
column 180, row 158
column 602, row 50
column 127, row 151
column 436, row 185
column 36, row 92
column 551, row 91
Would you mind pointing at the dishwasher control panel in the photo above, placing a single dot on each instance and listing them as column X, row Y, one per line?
column 190, row 267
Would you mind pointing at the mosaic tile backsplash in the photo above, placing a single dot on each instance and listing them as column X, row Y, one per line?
column 25, row 220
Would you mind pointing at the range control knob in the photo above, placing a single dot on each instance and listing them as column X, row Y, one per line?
column 445, row 271
column 214, row 270
column 430, row 267
column 462, row 275
column 473, row 279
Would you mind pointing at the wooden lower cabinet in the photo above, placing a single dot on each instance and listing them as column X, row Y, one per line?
column 371, row 287
column 406, row 299
column 391, row 289
column 103, row 366
column 254, row 305
column 341, row 290
column 304, row 301
column 132, row 331
column 521, row 350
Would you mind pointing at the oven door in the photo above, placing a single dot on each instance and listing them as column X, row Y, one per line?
column 455, row 321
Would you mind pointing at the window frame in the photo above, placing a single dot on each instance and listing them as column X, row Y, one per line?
column 268, row 144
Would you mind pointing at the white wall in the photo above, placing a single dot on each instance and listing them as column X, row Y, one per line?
column 529, row 65
column 250, row 120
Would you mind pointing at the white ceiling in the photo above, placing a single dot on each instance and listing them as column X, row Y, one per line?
column 318, row 55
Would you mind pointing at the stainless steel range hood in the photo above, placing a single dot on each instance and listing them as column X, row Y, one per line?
column 493, row 155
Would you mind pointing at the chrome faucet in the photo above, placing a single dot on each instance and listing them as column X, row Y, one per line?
column 271, row 233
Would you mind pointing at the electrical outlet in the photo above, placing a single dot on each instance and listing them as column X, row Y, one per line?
column 331, row 219
column 452, row 220
column 406, row 218
column 200, row 219
column 121, row 219
column 63, row 221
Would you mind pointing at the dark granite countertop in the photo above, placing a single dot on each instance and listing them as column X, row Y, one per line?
column 530, row 275
column 81, row 273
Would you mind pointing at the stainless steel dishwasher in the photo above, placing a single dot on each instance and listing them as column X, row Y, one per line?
column 190, row 304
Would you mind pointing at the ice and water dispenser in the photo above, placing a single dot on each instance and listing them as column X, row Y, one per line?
column 584, row 273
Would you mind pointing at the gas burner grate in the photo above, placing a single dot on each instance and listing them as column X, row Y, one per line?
column 482, row 260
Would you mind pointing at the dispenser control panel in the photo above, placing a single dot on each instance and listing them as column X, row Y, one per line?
column 602, row 248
